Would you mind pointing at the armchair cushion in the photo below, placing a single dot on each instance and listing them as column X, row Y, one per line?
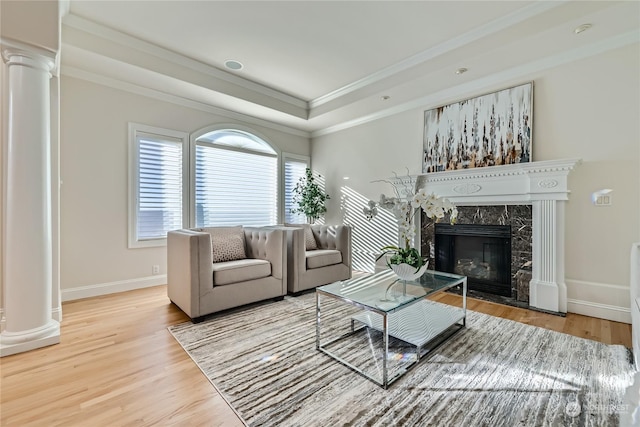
column 225, row 273
column 322, row 258
column 227, row 243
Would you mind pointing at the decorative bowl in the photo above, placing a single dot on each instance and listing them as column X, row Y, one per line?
column 407, row 272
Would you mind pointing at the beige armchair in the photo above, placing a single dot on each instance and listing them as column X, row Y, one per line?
column 213, row 269
column 328, row 262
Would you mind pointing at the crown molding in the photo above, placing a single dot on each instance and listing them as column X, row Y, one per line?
column 107, row 33
column 178, row 100
column 465, row 90
column 489, row 28
column 64, row 8
column 484, row 84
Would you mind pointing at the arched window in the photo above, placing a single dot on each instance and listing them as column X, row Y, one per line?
column 235, row 179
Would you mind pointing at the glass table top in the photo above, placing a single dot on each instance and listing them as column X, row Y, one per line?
column 384, row 291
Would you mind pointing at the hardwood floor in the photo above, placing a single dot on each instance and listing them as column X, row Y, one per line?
column 117, row 365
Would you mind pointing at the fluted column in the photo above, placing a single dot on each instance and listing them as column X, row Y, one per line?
column 547, row 288
column 27, row 200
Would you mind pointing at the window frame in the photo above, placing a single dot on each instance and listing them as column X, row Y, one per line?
column 193, row 142
column 134, row 174
column 283, row 160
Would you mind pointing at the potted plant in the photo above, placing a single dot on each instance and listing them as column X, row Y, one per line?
column 309, row 197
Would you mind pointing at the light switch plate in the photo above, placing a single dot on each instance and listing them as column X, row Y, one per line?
column 602, row 197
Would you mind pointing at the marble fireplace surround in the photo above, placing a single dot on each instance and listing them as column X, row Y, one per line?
column 543, row 185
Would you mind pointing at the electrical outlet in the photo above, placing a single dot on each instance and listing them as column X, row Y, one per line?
column 155, row 269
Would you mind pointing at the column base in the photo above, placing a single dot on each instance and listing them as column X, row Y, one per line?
column 18, row 342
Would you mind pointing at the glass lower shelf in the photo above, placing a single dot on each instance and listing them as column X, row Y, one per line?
column 416, row 324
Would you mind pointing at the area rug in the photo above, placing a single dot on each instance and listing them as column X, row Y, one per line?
column 494, row 372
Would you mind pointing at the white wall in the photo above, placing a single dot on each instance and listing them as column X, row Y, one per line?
column 30, row 22
column 93, row 152
column 587, row 109
column 364, row 154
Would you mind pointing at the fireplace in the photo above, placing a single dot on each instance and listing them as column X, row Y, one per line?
column 497, row 239
column 480, row 252
column 542, row 187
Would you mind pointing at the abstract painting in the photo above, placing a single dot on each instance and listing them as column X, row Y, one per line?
column 493, row 129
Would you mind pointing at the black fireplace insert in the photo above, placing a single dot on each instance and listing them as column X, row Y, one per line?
column 480, row 252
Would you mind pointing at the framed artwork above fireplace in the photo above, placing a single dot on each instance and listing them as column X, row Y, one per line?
column 489, row 130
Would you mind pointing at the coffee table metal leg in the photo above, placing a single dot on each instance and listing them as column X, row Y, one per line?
column 464, row 301
column 385, row 325
column 317, row 320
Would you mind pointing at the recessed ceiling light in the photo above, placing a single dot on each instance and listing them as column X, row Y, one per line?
column 233, row 65
column 385, row 97
column 461, row 70
column 345, row 178
column 584, row 27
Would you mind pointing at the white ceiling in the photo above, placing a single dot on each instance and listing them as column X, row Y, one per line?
column 318, row 66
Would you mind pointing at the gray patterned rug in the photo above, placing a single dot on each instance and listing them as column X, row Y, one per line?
column 495, row 372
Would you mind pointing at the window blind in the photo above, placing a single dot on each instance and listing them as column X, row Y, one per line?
column 235, row 187
column 293, row 171
column 159, row 186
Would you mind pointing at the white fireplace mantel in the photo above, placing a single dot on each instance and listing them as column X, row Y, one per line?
column 540, row 184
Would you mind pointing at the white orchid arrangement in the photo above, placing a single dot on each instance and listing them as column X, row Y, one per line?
column 405, row 210
column 405, row 205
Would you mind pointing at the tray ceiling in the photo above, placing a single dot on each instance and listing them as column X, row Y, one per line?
column 321, row 66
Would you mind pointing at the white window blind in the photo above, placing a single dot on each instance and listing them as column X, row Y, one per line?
column 159, row 186
column 234, row 187
column 294, row 169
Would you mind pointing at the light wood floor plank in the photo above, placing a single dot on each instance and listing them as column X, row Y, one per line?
column 117, row 365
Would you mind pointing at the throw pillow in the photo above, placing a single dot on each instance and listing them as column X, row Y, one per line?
column 309, row 239
column 310, row 243
column 227, row 243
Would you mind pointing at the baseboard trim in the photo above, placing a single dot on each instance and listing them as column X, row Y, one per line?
column 112, row 287
column 56, row 314
column 602, row 311
column 602, row 300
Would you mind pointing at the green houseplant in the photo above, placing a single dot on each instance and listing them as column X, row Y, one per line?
column 309, row 197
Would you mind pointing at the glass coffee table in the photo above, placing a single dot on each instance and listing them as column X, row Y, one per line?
column 381, row 326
